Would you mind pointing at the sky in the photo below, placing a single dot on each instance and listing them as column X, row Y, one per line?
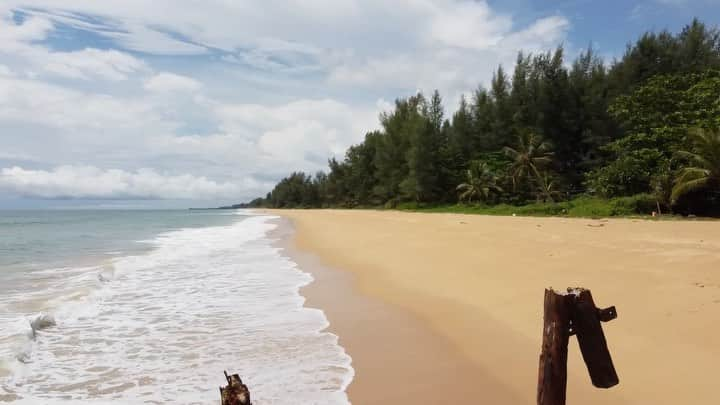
column 180, row 103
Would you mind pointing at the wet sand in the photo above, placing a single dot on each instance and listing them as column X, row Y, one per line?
column 459, row 298
column 397, row 358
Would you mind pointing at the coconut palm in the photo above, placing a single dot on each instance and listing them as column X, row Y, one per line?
column 480, row 183
column 661, row 185
column 529, row 156
column 704, row 169
column 547, row 188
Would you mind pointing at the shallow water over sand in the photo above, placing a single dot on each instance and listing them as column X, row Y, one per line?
column 161, row 326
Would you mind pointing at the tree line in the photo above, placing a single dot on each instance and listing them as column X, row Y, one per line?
column 644, row 125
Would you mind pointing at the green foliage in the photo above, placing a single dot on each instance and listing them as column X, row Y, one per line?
column 296, row 191
column 695, row 49
column 358, row 173
column 629, row 174
column 656, row 118
column 422, row 182
column 534, row 209
column 546, row 188
column 643, row 204
column 480, row 183
column 662, row 185
column 529, row 155
column 548, row 131
column 584, row 207
column 593, row 207
column 703, row 171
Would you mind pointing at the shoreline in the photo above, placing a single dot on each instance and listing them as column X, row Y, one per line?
column 476, row 282
column 396, row 357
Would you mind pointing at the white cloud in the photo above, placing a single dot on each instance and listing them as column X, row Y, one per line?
column 5, row 71
column 19, row 41
column 88, row 63
column 266, row 87
column 91, row 182
column 32, row 29
column 141, row 38
column 465, row 44
column 371, row 29
column 169, row 82
column 277, row 56
column 378, row 71
column 468, row 24
column 303, row 133
column 188, row 27
column 14, row 156
column 539, row 36
column 35, row 102
column 252, row 141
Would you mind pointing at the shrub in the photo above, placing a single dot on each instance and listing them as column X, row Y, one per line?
column 391, row 204
column 590, row 207
column 407, row 206
column 584, row 206
column 637, row 204
column 627, row 175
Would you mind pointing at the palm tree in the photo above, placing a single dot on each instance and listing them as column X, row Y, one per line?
column 480, row 182
column 704, row 169
column 662, row 185
column 546, row 188
column 530, row 155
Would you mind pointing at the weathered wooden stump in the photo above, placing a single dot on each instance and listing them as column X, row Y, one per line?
column 552, row 374
column 235, row 393
column 593, row 346
column 567, row 314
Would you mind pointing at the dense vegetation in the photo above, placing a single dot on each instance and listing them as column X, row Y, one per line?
column 639, row 133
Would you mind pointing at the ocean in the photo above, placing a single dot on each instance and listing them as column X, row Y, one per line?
column 132, row 307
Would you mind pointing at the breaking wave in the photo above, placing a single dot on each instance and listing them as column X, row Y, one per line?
column 162, row 326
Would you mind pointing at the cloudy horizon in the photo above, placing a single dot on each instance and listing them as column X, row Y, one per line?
column 179, row 103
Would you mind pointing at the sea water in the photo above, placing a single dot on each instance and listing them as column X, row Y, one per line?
column 130, row 307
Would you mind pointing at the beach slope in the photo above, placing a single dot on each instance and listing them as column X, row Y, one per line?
column 478, row 282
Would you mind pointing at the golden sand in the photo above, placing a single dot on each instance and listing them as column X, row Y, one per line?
column 478, row 283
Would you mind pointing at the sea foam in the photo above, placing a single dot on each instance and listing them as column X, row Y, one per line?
column 161, row 327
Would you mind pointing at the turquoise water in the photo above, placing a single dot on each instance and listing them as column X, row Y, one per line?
column 35, row 240
column 132, row 307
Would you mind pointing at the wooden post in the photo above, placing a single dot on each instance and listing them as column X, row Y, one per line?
column 235, row 393
column 593, row 346
column 552, row 374
column 565, row 315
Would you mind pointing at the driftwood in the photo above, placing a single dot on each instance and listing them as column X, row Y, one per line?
column 565, row 315
column 552, row 374
column 235, row 393
column 586, row 325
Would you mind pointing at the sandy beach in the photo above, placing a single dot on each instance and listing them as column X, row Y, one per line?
column 448, row 308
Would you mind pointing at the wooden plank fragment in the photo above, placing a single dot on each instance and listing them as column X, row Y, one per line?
column 593, row 345
column 235, row 393
column 552, row 373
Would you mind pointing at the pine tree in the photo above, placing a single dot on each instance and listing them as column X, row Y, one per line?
column 502, row 114
column 422, row 183
column 482, row 137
